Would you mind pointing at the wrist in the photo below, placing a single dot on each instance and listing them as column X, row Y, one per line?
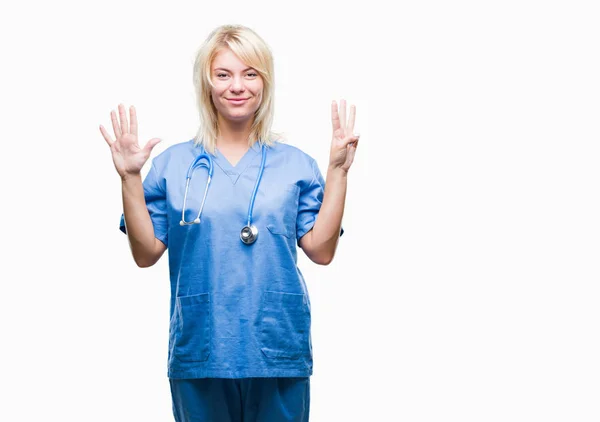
column 130, row 176
column 336, row 174
column 337, row 171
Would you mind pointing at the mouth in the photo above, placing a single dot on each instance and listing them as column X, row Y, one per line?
column 237, row 101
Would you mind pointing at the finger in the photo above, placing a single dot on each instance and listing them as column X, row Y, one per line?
column 335, row 117
column 115, row 124
column 350, row 140
column 133, row 124
column 350, row 126
column 106, row 136
column 343, row 115
column 151, row 144
column 350, row 155
column 123, row 118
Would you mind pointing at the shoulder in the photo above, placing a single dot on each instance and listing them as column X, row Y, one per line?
column 293, row 165
column 279, row 147
column 178, row 153
column 292, row 156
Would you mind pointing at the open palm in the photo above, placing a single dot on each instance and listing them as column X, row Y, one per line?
column 127, row 155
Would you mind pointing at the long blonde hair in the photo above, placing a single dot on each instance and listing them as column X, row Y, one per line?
column 254, row 52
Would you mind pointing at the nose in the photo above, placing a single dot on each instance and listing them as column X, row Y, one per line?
column 237, row 84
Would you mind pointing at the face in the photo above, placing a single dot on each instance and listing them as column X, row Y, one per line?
column 237, row 91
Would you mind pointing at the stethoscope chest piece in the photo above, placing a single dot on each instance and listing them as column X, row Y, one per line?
column 249, row 234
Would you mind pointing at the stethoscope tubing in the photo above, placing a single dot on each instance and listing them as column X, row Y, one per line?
column 249, row 232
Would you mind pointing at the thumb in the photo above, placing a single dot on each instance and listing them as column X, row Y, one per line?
column 151, row 144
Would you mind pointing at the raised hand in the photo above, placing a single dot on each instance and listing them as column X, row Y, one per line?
column 127, row 155
column 343, row 142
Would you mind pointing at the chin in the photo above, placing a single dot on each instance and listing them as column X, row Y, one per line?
column 240, row 117
column 240, row 114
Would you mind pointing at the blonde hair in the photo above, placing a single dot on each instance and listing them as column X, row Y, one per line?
column 254, row 52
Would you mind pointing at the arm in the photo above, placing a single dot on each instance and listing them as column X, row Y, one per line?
column 145, row 248
column 129, row 159
column 320, row 243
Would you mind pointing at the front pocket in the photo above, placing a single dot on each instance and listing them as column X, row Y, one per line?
column 191, row 328
column 282, row 219
column 284, row 325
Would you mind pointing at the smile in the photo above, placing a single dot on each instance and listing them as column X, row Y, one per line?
column 237, row 100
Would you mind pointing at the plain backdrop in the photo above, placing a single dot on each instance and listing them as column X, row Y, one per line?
column 466, row 285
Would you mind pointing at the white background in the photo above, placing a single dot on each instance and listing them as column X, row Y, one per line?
column 466, row 286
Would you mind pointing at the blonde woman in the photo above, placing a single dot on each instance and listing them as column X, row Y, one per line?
column 232, row 205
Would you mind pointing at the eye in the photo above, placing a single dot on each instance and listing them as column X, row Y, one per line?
column 252, row 74
column 221, row 75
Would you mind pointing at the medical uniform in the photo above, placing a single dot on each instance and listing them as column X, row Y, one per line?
column 237, row 311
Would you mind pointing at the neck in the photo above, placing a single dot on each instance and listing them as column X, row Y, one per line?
column 233, row 134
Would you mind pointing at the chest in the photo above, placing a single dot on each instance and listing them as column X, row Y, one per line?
column 232, row 156
column 231, row 197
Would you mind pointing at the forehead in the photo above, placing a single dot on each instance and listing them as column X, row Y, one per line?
column 225, row 58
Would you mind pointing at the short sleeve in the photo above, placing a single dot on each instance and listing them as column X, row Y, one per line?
column 156, row 202
column 310, row 202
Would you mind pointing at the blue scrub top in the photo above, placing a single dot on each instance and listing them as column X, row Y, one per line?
column 237, row 310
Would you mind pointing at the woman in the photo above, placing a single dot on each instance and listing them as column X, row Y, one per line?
column 239, row 345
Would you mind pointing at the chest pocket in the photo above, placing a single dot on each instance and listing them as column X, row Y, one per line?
column 283, row 210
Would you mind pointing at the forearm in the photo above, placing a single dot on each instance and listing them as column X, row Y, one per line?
column 325, row 233
column 138, row 224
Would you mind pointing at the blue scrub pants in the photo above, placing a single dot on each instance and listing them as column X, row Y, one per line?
column 241, row 400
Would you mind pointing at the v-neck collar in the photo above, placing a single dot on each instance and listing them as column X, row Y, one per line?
column 234, row 172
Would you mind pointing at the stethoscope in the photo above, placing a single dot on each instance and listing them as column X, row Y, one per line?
column 249, row 232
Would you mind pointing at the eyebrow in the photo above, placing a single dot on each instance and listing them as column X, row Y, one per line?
column 227, row 70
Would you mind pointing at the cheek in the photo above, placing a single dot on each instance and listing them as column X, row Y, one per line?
column 216, row 97
column 217, row 90
column 258, row 91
